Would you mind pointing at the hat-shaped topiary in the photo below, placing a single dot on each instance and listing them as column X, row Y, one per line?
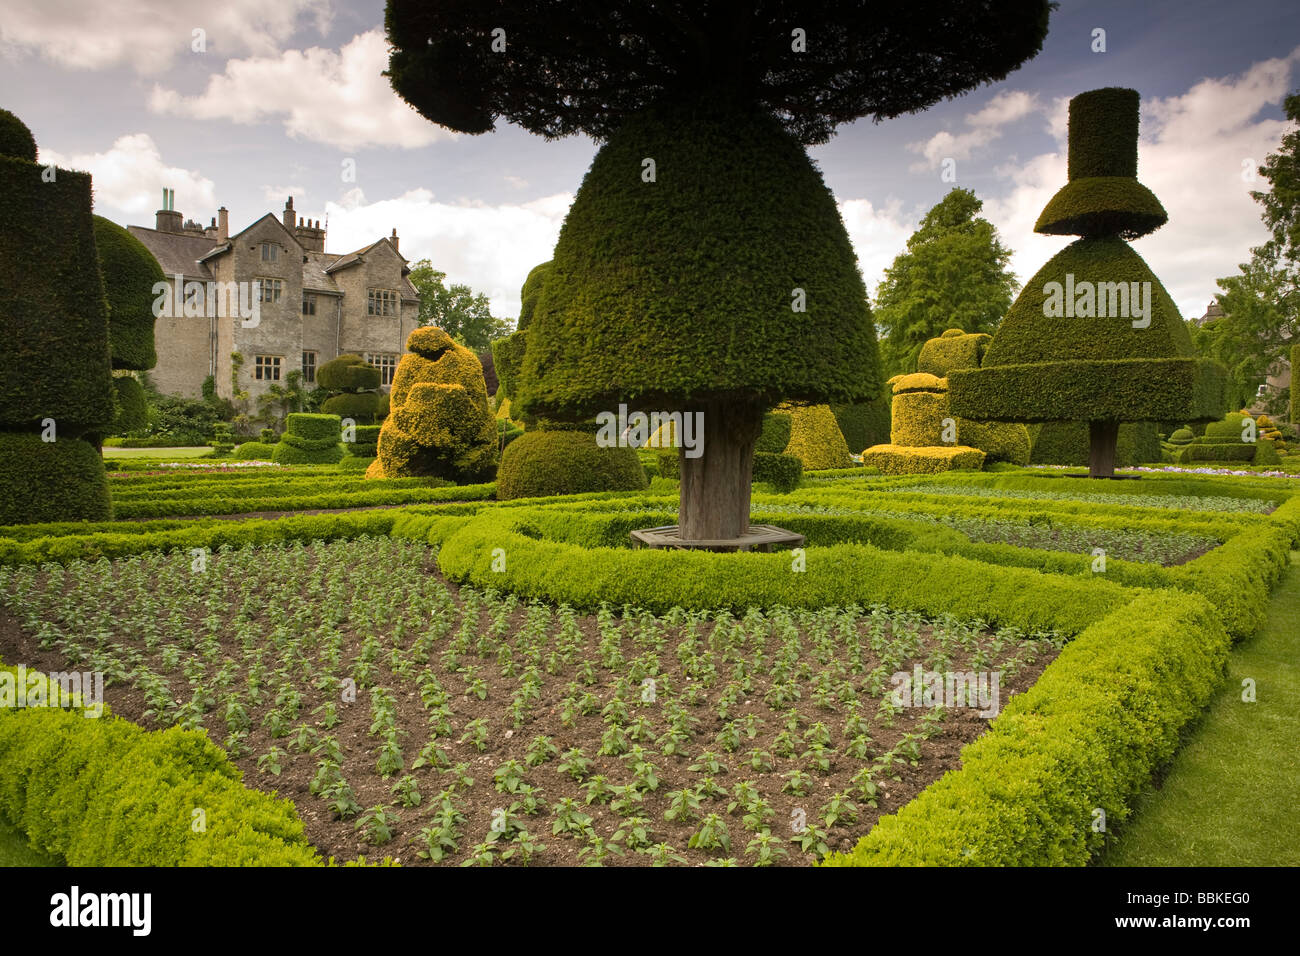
column 440, row 424
column 1094, row 336
column 1103, row 196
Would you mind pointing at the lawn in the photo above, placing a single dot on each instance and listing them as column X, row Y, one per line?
column 168, row 454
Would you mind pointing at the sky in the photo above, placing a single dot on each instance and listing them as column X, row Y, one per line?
column 244, row 102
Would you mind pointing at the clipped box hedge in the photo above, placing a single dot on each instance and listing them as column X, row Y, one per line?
column 62, row 480
column 106, row 792
column 783, row 472
column 309, row 426
column 1102, row 717
column 908, row 460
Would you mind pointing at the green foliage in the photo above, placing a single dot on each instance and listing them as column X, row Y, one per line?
column 16, row 139
column 956, row 271
column 458, row 310
column 783, row 472
column 53, row 313
column 106, row 792
column 1295, row 385
column 952, row 350
column 1002, row 441
column 132, row 406
column 775, row 434
column 508, row 359
column 541, row 463
column 359, row 406
column 1181, row 436
column 531, row 292
column 254, row 451
column 61, row 480
column 815, row 438
column 685, row 286
column 1090, row 732
column 1066, row 443
column 864, row 424
column 440, row 425
column 347, row 373
column 313, row 427
column 129, row 272
column 309, row 439
column 921, row 460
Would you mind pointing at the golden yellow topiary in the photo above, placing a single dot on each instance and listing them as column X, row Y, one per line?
column 665, row 436
column 440, row 424
column 815, row 438
column 909, row 460
column 954, row 349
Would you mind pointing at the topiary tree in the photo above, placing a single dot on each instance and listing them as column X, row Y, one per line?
column 309, row 439
column 129, row 271
column 703, row 266
column 440, row 424
column 56, row 391
column 815, row 438
column 531, row 292
column 1075, row 345
column 541, row 463
column 354, row 384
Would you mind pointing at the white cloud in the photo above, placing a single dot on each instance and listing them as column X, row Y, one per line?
column 276, row 195
column 149, row 36
column 878, row 235
column 986, row 125
column 338, row 98
column 1190, row 154
column 489, row 248
column 130, row 176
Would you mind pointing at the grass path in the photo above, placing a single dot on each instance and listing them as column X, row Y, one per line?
column 195, row 451
column 1230, row 795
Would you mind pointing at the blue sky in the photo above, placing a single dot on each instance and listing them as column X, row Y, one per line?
column 281, row 95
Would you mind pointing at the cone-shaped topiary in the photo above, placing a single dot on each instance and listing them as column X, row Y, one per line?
column 815, row 438
column 440, row 424
column 57, row 384
column 703, row 266
column 130, row 272
column 1094, row 336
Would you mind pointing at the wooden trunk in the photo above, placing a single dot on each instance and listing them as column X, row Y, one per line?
column 715, row 486
column 1103, row 438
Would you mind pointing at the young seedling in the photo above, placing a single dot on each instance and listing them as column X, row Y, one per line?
column 683, row 806
column 573, row 763
column 712, row 835
column 540, row 751
column 766, row 848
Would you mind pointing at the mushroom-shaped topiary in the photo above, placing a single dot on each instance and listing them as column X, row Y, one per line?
column 439, row 424
column 1094, row 337
column 703, row 266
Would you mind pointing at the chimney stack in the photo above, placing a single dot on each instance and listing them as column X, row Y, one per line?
column 394, row 238
column 223, row 224
column 290, row 218
column 168, row 219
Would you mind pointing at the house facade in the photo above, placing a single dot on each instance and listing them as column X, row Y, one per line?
column 311, row 305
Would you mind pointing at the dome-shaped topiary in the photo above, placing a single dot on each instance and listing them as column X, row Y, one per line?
column 440, row 424
column 130, row 272
column 1182, row 436
column 541, row 463
column 347, row 373
column 815, row 438
column 16, row 139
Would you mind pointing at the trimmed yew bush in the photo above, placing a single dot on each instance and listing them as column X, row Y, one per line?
column 542, row 463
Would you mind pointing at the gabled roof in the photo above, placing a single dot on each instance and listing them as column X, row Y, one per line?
column 253, row 225
column 176, row 252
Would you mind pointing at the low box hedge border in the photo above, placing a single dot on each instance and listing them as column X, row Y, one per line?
column 1086, row 737
column 106, row 792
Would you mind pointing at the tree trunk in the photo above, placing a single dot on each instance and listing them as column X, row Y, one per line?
column 715, row 486
column 1103, row 437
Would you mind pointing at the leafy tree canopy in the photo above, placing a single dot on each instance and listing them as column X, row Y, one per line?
column 457, row 309
column 953, row 275
column 558, row 67
column 1261, row 304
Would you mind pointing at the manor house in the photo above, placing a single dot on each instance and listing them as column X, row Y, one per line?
column 313, row 305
